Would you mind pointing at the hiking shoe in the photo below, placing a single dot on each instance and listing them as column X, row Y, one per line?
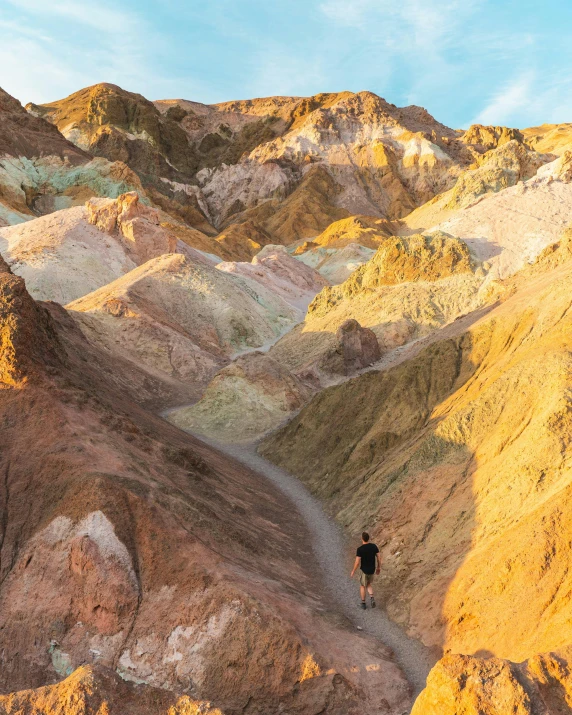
column 363, row 605
column 372, row 602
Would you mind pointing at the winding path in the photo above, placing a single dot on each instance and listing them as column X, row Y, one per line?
column 332, row 552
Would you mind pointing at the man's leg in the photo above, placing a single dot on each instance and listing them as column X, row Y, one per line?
column 362, row 585
column 370, row 591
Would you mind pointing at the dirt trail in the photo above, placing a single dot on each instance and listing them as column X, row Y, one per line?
column 335, row 557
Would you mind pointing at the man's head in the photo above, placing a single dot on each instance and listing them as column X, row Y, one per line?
column 364, row 537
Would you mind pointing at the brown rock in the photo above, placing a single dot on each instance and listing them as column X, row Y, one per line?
column 138, row 225
column 356, row 348
column 28, row 343
column 24, row 135
column 94, row 690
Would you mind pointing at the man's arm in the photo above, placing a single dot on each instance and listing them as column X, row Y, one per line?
column 357, row 563
column 378, row 559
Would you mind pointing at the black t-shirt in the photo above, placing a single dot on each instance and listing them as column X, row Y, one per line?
column 367, row 554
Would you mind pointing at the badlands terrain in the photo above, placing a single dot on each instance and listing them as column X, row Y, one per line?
column 234, row 336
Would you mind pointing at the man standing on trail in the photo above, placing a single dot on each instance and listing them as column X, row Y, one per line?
column 368, row 561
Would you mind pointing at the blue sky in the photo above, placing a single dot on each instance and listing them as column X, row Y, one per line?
column 491, row 61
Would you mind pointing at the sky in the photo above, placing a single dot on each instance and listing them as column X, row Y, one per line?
column 506, row 62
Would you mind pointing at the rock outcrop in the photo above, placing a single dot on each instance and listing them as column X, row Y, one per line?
column 368, row 231
column 356, row 348
column 28, row 343
column 24, row 135
column 498, row 169
column 96, row 689
column 137, row 225
column 473, row 686
column 481, row 138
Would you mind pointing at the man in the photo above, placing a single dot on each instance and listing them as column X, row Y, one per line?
column 368, row 561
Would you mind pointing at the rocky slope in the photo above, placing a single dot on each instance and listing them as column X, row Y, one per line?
column 96, row 689
column 184, row 319
column 509, row 228
column 550, row 138
column 290, row 165
column 456, row 458
column 274, row 269
column 71, row 252
column 411, row 287
column 134, row 553
column 110, row 122
column 345, row 245
column 40, row 171
column 335, row 264
column 383, row 160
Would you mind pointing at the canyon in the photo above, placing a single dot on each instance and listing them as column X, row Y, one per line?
column 234, row 336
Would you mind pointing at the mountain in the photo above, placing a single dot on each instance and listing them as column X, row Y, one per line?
column 219, row 164
column 128, row 546
column 41, row 171
column 249, row 298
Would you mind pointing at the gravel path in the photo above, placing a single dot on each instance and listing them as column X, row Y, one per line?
column 332, row 553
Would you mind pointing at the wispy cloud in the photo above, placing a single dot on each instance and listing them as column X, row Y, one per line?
column 97, row 15
column 350, row 13
column 102, row 43
column 461, row 59
column 529, row 98
column 413, row 40
column 507, row 101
